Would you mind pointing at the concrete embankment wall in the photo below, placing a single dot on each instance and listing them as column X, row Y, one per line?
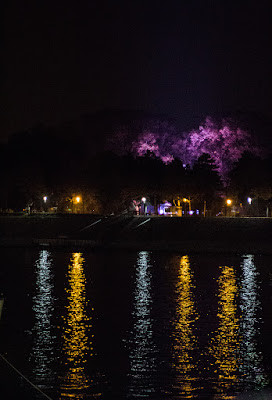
column 163, row 233
column 47, row 226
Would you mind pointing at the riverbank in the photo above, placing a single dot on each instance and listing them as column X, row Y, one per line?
column 247, row 235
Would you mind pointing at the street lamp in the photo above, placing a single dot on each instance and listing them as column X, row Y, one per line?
column 75, row 200
column 44, row 208
column 229, row 203
column 250, row 210
column 187, row 201
column 144, row 202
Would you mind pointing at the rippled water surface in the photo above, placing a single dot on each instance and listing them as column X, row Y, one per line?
column 135, row 325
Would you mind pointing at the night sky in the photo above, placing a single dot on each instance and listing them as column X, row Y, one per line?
column 185, row 59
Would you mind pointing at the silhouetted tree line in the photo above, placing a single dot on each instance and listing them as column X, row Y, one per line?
column 49, row 166
column 60, row 163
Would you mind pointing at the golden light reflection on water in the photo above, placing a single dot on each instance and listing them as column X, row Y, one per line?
column 77, row 341
column 184, row 340
column 226, row 343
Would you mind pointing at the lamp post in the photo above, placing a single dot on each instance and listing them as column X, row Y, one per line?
column 144, row 203
column 189, row 202
column 229, row 203
column 44, row 202
column 78, row 200
column 75, row 200
column 249, row 209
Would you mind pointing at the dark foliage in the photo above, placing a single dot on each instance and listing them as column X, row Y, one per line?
column 42, row 163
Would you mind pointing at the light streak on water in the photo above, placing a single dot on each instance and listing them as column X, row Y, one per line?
column 172, row 350
column 43, row 308
column 77, row 339
column 225, row 345
column 142, row 352
column 184, row 340
column 251, row 359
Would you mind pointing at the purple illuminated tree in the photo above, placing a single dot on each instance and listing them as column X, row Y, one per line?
column 149, row 136
column 225, row 143
column 157, row 143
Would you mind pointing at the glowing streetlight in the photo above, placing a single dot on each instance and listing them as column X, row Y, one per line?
column 78, row 199
column 249, row 200
column 228, row 209
column 45, row 199
column 145, row 206
column 187, row 201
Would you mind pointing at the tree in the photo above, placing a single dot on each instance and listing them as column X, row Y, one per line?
column 225, row 142
column 206, row 183
column 252, row 176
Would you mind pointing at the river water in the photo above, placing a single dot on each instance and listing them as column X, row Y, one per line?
column 135, row 325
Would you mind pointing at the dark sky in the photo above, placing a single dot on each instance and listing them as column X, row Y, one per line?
column 185, row 59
